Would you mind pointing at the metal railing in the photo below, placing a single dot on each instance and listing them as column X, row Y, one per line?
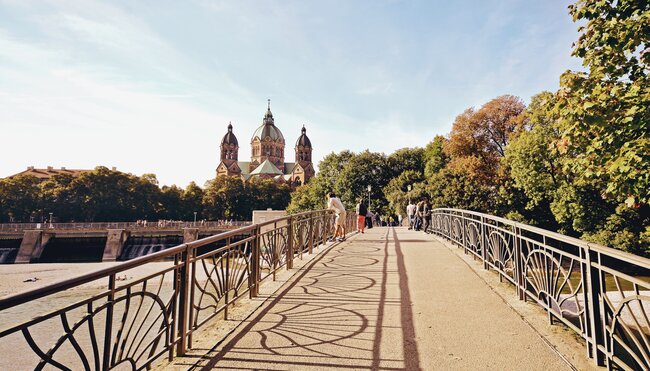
column 601, row 293
column 106, row 319
column 149, row 225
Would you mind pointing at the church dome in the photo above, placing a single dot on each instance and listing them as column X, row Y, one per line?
column 303, row 140
column 268, row 128
column 230, row 137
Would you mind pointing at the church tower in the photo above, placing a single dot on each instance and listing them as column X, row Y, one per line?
column 304, row 168
column 229, row 154
column 267, row 143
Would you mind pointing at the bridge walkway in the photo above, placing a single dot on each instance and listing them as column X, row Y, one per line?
column 388, row 299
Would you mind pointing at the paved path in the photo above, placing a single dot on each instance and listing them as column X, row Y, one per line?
column 388, row 299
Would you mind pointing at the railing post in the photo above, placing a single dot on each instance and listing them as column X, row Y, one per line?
column 108, row 333
column 519, row 269
column 484, row 245
column 323, row 224
column 184, row 301
column 311, row 234
column 595, row 310
column 253, row 277
column 290, row 243
column 226, row 279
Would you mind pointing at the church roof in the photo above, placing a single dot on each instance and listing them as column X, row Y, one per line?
column 230, row 137
column 268, row 128
column 303, row 140
column 266, row 167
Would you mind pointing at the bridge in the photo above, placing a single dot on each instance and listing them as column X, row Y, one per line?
column 482, row 292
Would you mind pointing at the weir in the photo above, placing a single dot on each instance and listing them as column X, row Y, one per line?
column 88, row 242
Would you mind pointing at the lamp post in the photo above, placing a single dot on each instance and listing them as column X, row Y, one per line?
column 195, row 218
column 409, row 188
column 51, row 221
column 369, row 189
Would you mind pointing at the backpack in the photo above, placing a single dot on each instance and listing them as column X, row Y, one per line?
column 363, row 210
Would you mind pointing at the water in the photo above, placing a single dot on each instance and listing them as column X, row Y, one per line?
column 8, row 250
column 136, row 246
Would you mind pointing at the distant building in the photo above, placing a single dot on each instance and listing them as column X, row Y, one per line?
column 267, row 155
column 45, row 174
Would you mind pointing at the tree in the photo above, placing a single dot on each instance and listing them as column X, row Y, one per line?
column 605, row 111
column 406, row 159
column 484, row 134
column 397, row 191
column 226, row 198
column 19, row 198
column 434, row 156
column 363, row 170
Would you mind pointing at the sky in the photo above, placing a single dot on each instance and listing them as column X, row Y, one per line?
column 150, row 86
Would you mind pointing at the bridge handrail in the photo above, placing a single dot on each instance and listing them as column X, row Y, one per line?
column 601, row 293
column 201, row 280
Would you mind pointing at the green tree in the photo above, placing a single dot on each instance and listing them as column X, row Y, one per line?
column 20, row 198
column 605, row 111
column 226, row 198
column 406, row 159
column 397, row 191
column 434, row 156
column 363, row 170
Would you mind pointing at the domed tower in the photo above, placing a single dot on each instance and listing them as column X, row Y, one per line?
column 304, row 169
column 267, row 143
column 229, row 145
column 303, row 147
column 229, row 154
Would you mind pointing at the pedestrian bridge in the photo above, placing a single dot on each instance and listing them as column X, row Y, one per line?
column 391, row 298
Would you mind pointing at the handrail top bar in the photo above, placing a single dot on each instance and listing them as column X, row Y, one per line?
column 619, row 254
column 38, row 293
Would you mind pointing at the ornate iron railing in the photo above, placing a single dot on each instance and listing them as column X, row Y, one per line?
column 601, row 293
column 109, row 319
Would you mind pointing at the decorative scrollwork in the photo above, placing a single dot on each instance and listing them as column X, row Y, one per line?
column 556, row 282
column 226, row 272
column 628, row 336
column 140, row 331
column 474, row 238
column 457, row 230
column 500, row 252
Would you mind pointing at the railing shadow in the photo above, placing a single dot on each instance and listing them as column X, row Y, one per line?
column 334, row 314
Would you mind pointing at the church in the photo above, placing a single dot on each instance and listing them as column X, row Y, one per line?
column 267, row 155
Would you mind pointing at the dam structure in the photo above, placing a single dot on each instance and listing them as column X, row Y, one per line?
column 98, row 242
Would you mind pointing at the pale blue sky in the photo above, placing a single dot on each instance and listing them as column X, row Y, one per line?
column 150, row 86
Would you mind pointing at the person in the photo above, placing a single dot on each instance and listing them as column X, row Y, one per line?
column 369, row 218
column 426, row 214
column 418, row 216
column 399, row 220
column 410, row 213
column 334, row 203
column 362, row 211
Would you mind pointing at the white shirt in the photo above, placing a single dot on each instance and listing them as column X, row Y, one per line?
column 335, row 204
column 410, row 210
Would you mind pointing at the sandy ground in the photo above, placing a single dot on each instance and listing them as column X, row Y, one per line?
column 388, row 299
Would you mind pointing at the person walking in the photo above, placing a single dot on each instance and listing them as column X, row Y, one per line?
column 334, row 203
column 426, row 214
column 362, row 211
column 418, row 216
column 410, row 213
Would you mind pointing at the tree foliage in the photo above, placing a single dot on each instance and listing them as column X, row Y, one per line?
column 605, row 111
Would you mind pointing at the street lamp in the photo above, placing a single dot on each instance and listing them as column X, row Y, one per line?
column 51, row 221
column 195, row 218
column 369, row 189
